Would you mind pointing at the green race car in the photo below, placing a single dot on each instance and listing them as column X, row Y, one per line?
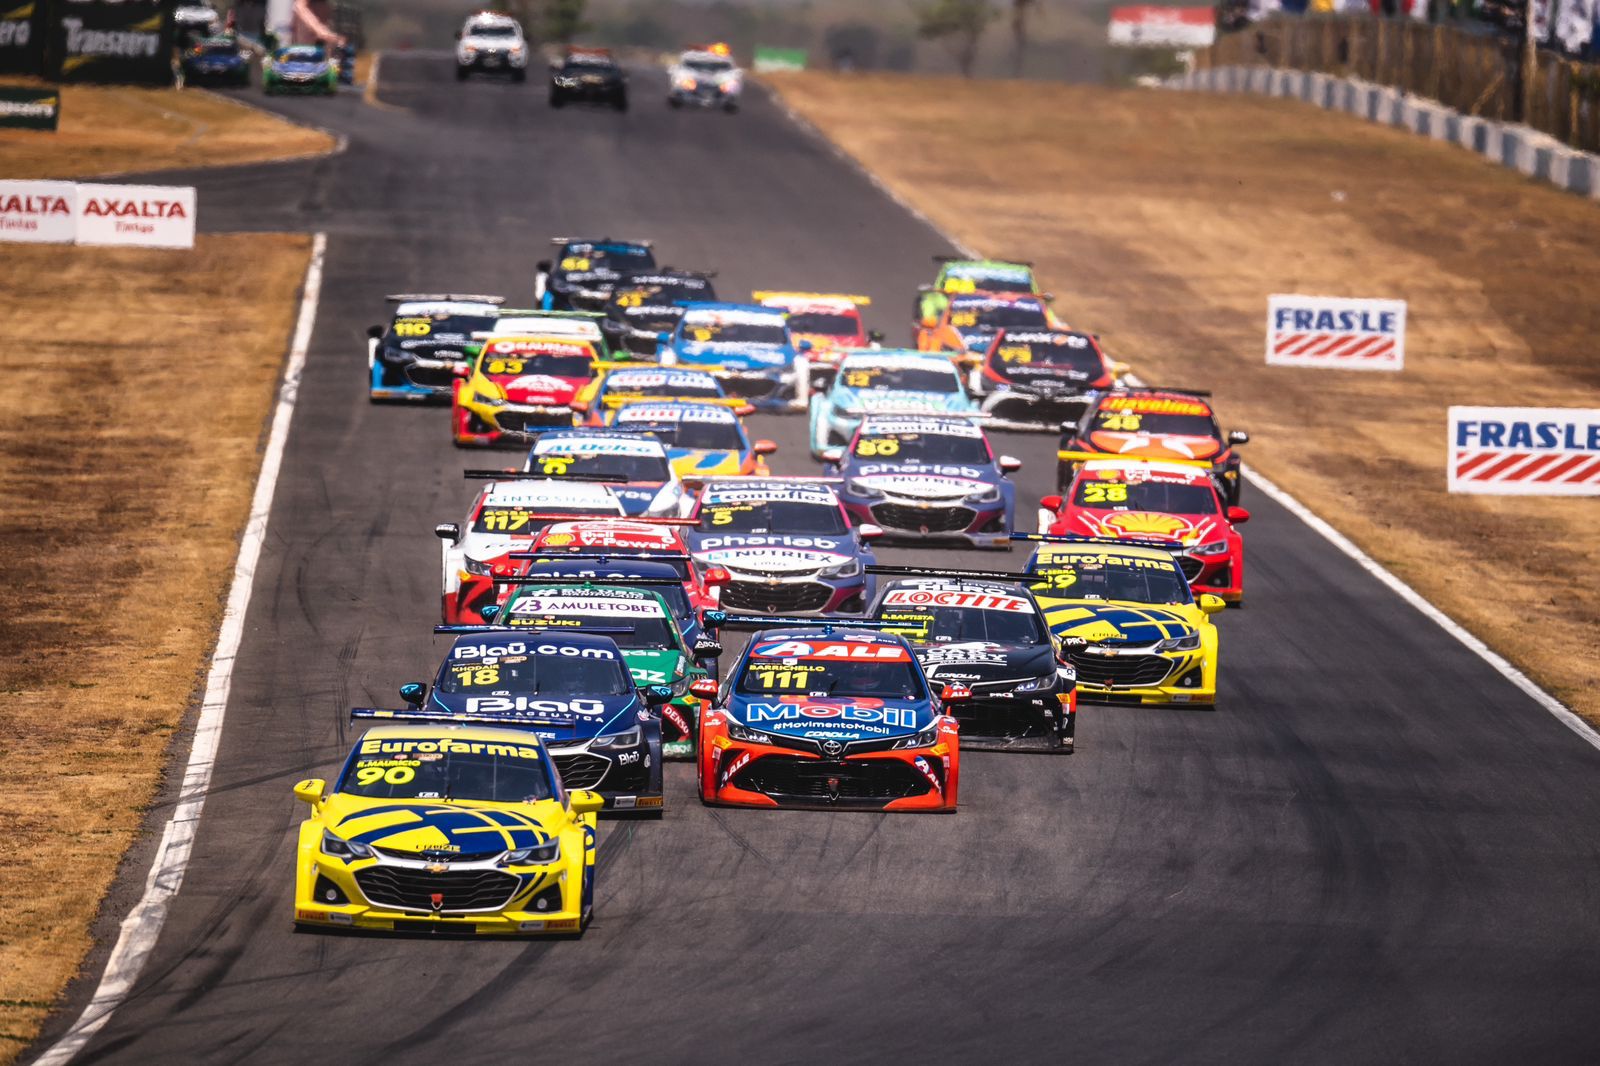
column 963, row 277
column 300, row 68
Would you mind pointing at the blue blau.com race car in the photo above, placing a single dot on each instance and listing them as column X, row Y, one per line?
column 419, row 354
column 787, row 544
column 927, row 478
column 873, row 382
column 571, row 690
column 749, row 349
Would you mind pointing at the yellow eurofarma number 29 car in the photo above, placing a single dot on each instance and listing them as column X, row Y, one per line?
column 447, row 829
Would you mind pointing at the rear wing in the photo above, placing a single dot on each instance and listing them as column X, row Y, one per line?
column 530, row 475
column 1070, row 456
column 613, row 400
column 358, row 714
column 444, row 297
column 772, row 621
column 974, row 259
column 587, row 582
column 1008, row 576
column 562, row 241
column 565, row 557
column 1111, row 542
column 488, row 627
column 771, row 294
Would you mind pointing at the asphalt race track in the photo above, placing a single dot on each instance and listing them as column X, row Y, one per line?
column 1375, row 850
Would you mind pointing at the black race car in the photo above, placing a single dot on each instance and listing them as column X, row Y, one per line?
column 592, row 266
column 590, row 76
column 644, row 304
column 418, row 354
column 990, row 636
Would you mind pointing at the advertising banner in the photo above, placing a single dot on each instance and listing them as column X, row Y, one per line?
column 149, row 216
column 767, row 60
column 1525, row 451
column 1330, row 331
column 123, row 41
column 38, row 212
column 29, row 109
column 22, row 36
column 1162, row 27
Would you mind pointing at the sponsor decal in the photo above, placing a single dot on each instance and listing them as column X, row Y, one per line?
column 151, row 216
column 829, row 713
column 443, row 746
column 656, row 412
column 961, row 653
column 518, row 647
column 523, row 705
column 1524, row 451
column 985, row 601
column 29, row 109
column 934, row 427
column 1162, row 27
column 677, row 718
column 842, row 649
column 1329, row 331
column 38, row 211
column 548, row 445
column 734, row 767
column 926, row 768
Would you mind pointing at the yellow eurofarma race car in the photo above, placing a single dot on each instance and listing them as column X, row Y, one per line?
column 446, row 829
column 1129, row 624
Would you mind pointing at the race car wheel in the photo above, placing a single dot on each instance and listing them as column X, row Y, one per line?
column 674, row 103
column 461, row 73
column 621, row 102
column 519, row 76
column 557, row 101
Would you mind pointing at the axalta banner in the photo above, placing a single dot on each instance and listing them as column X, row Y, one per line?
column 22, row 36
column 1525, row 451
column 1162, row 27
column 111, row 41
column 65, row 212
column 1334, row 332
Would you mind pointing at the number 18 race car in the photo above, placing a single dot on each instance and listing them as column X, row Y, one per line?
column 825, row 717
column 446, row 830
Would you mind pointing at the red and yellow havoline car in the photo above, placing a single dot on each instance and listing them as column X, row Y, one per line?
column 825, row 717
column 1172, row 425
column 518, row 384
column 1131, row 499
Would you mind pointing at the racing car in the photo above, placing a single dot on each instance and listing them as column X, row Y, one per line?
column 643, row 304
column 827, row 717
column 786, row 543
column 588, row 75
column 635, row 614
column 1040, row 377
column 656, row 540
column 570, row 689
column 491, row 43
column 830, row 321
column 591, row 265
column 702, row 439
column 646, row 483
column 969, row 323
column 1173, row 425
column 963, row 277
column 619, row 385
column 517, row 385
column 925, row 479
column 748, row 348
column 1153, row 500
column 458, row 828
column 581, row 325
column 299, row 68
column 216, row 60
column 430, row 336
column 1122, row 610
column 506, row 516
column 705, row 77
column 872, row 382
column 990, row 636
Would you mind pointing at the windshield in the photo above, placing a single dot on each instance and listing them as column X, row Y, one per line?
column 936, row 448
column 304, row 53
column 565, row 458
column 1126, row 580
column 589, row 66
column 635, row 623
column 773, row 516
column 491, row 29
column 219, row 48
column 697, row 436
column 992, row 279
column 999, row 316
column 598, row 673
column 1117, row 419
column 497, row 518
column 582, row 258
column 660, row 289
column 827, row 323
column 555, row 366
column 826, row 672
column 663, row 383
column 416, row 331
column 703, row 329
column 708, row 66
column 495, row 771
column 1164, row 496
column 900, row 379
column 1057, row 351
column 937, row 625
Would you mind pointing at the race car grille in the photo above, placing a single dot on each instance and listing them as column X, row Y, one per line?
column 581, row 770
column 1008, row 718
column 458, row 890
column 786, row 777
column 923, row 520
column 1190, row 566
column 519, row 421
column 785, row 597
column 430, row 377
column 750, row 388
column 1131, row 671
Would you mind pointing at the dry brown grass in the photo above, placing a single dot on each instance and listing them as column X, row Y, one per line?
column 1163, row 220
column 120, row 129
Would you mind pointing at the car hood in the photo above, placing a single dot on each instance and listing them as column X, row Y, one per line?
column 846, row 719
column 433, row 829
column 772, row 552
column 1112, row 624
column 923, row 481
column 870, row 400
column 977, row 662
column 542, row 389
column 1155, row 445
column 1189, row 530
column 555, row 717
column 735, row 356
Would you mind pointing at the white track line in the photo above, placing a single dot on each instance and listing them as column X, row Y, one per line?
column 143, row 924
column 1538, row 695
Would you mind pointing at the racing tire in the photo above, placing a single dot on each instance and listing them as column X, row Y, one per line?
column 461, row 73
column 621, row 102
column 731, row 108
column 556, row 101
column 519, row 76
column 674, row 103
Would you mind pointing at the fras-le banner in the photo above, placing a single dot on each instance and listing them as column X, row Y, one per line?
column 1525, row 451
column 1331, row 331
column 43, row 212
column 151, row 216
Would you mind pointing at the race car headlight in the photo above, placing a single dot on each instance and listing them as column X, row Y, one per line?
column 857, row 488
column 1188, row 642
column 340, row 848
column 746, row 734
column 467, row 51
column 1216, row 547
column 988, row 495
column 1039, row 684
column 687, row 84
column 537, row 855
column 473, row 566
column 491, row 401
column 846, row 569
column 618, row 741
column 925, row 739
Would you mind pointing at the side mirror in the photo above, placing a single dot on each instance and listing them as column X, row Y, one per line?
column 583, row 801
column 1010, row 464
column 804, row 346
column 874, row 336
column 458, row 35
column 656, row 695
column 310, row 790
column 928, row 322
column 375, row 332
column 413, row 692
column 714, row 618
column 447, row 531
column 833, row 455
column 868, row 531
column 490, row 611
column 580, row 406
column 956, row 693
column 1238, row 436
column 1068, row 427
column 1050, row 503
column 706, row 648
column 1212, row 604
column 705, row 688
column 543, row 266
column 663, row 338
column 1237, row 515
column 461, row 370
column 764, row 447
column 716, row 577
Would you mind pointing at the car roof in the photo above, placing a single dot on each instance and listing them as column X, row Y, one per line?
column 723, row 305
column 1190, row 474
column 773, row 485
column 921, row 423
